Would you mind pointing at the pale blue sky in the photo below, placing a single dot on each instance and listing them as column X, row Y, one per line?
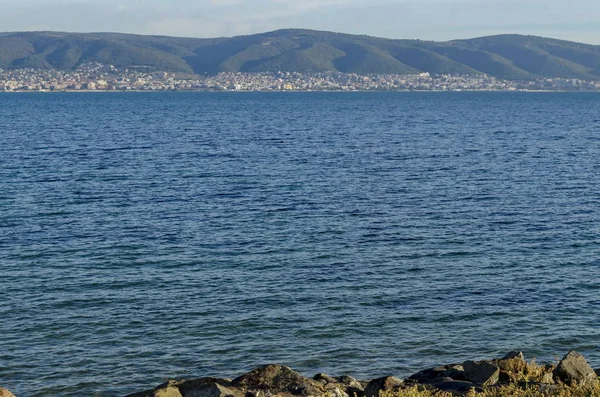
column 577, row 20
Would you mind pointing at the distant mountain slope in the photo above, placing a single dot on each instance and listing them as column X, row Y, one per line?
column 510, row 57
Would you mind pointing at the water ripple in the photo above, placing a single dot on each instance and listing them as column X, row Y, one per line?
column 154, row 236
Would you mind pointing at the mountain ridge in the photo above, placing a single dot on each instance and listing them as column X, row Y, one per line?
column 507, row 56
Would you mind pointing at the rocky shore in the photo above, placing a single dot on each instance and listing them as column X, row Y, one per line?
column 510, row 375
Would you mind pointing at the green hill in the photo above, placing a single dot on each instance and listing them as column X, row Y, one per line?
column 510, row 57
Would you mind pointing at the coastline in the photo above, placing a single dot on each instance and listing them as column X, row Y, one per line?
column 289, row 91
column 510, row 375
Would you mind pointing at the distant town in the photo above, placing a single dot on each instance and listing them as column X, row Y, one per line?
column 99, row 77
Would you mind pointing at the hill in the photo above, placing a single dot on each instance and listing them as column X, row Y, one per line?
column 511, row 57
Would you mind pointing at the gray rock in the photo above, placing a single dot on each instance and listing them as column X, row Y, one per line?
column 198, row 382
column 455, row 372
column 189, row 389
column 341, row 386
column 5, row 393
column 278, row 379
column 350, row 381
column 145, row 393
column 355, row 391
column 382, row 384
column 574, row 368
column 202, row 387
column 431, row 375
column 353, row 387
column 335, row 390
column 325, row 378
column 482, row 373
column 456, row 387
column 169, row 391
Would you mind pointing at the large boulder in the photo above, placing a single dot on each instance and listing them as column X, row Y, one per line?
column 164, row 390
column 574, row 368
column 170, row 391
column 344, row 386
column 482, row 373
column 353, row 387
column 456, row 387
column 202, row 387
column 278, row 379
column 335, row 390
column 5, row 393
column 432, row 375
column 382, row 384
column 145, row 393
column 192, row 389
column 324, row 378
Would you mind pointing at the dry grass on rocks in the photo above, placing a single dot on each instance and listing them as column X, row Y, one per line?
column 512, row 390
column 525, row 380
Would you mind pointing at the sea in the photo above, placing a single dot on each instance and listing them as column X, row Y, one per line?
column 155, row 236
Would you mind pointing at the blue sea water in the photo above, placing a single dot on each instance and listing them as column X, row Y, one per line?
column 174, row 235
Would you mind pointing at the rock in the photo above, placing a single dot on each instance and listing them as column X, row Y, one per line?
column 481, row 373
column 335, row 390
column 202, row 387
column 167, row 391
column 324, row 378
column 341, row 386
column 353, row 387
column 278, row 379
column 511, row 365
column 382, row 384
column 5, row 393
column 514, row 368
column 456, row 387
column 145, row 393
column 208, row 390
column 512, row 355
column 574, row 368
column 355, row 392
column 513, row 362
column 170, row 391
column 455, row 372
column 431, row 375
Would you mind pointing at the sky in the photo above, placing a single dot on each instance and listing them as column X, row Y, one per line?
column 577, row 20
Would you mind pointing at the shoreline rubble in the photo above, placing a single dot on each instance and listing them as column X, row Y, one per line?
column 510, row 375
column 459, row 379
